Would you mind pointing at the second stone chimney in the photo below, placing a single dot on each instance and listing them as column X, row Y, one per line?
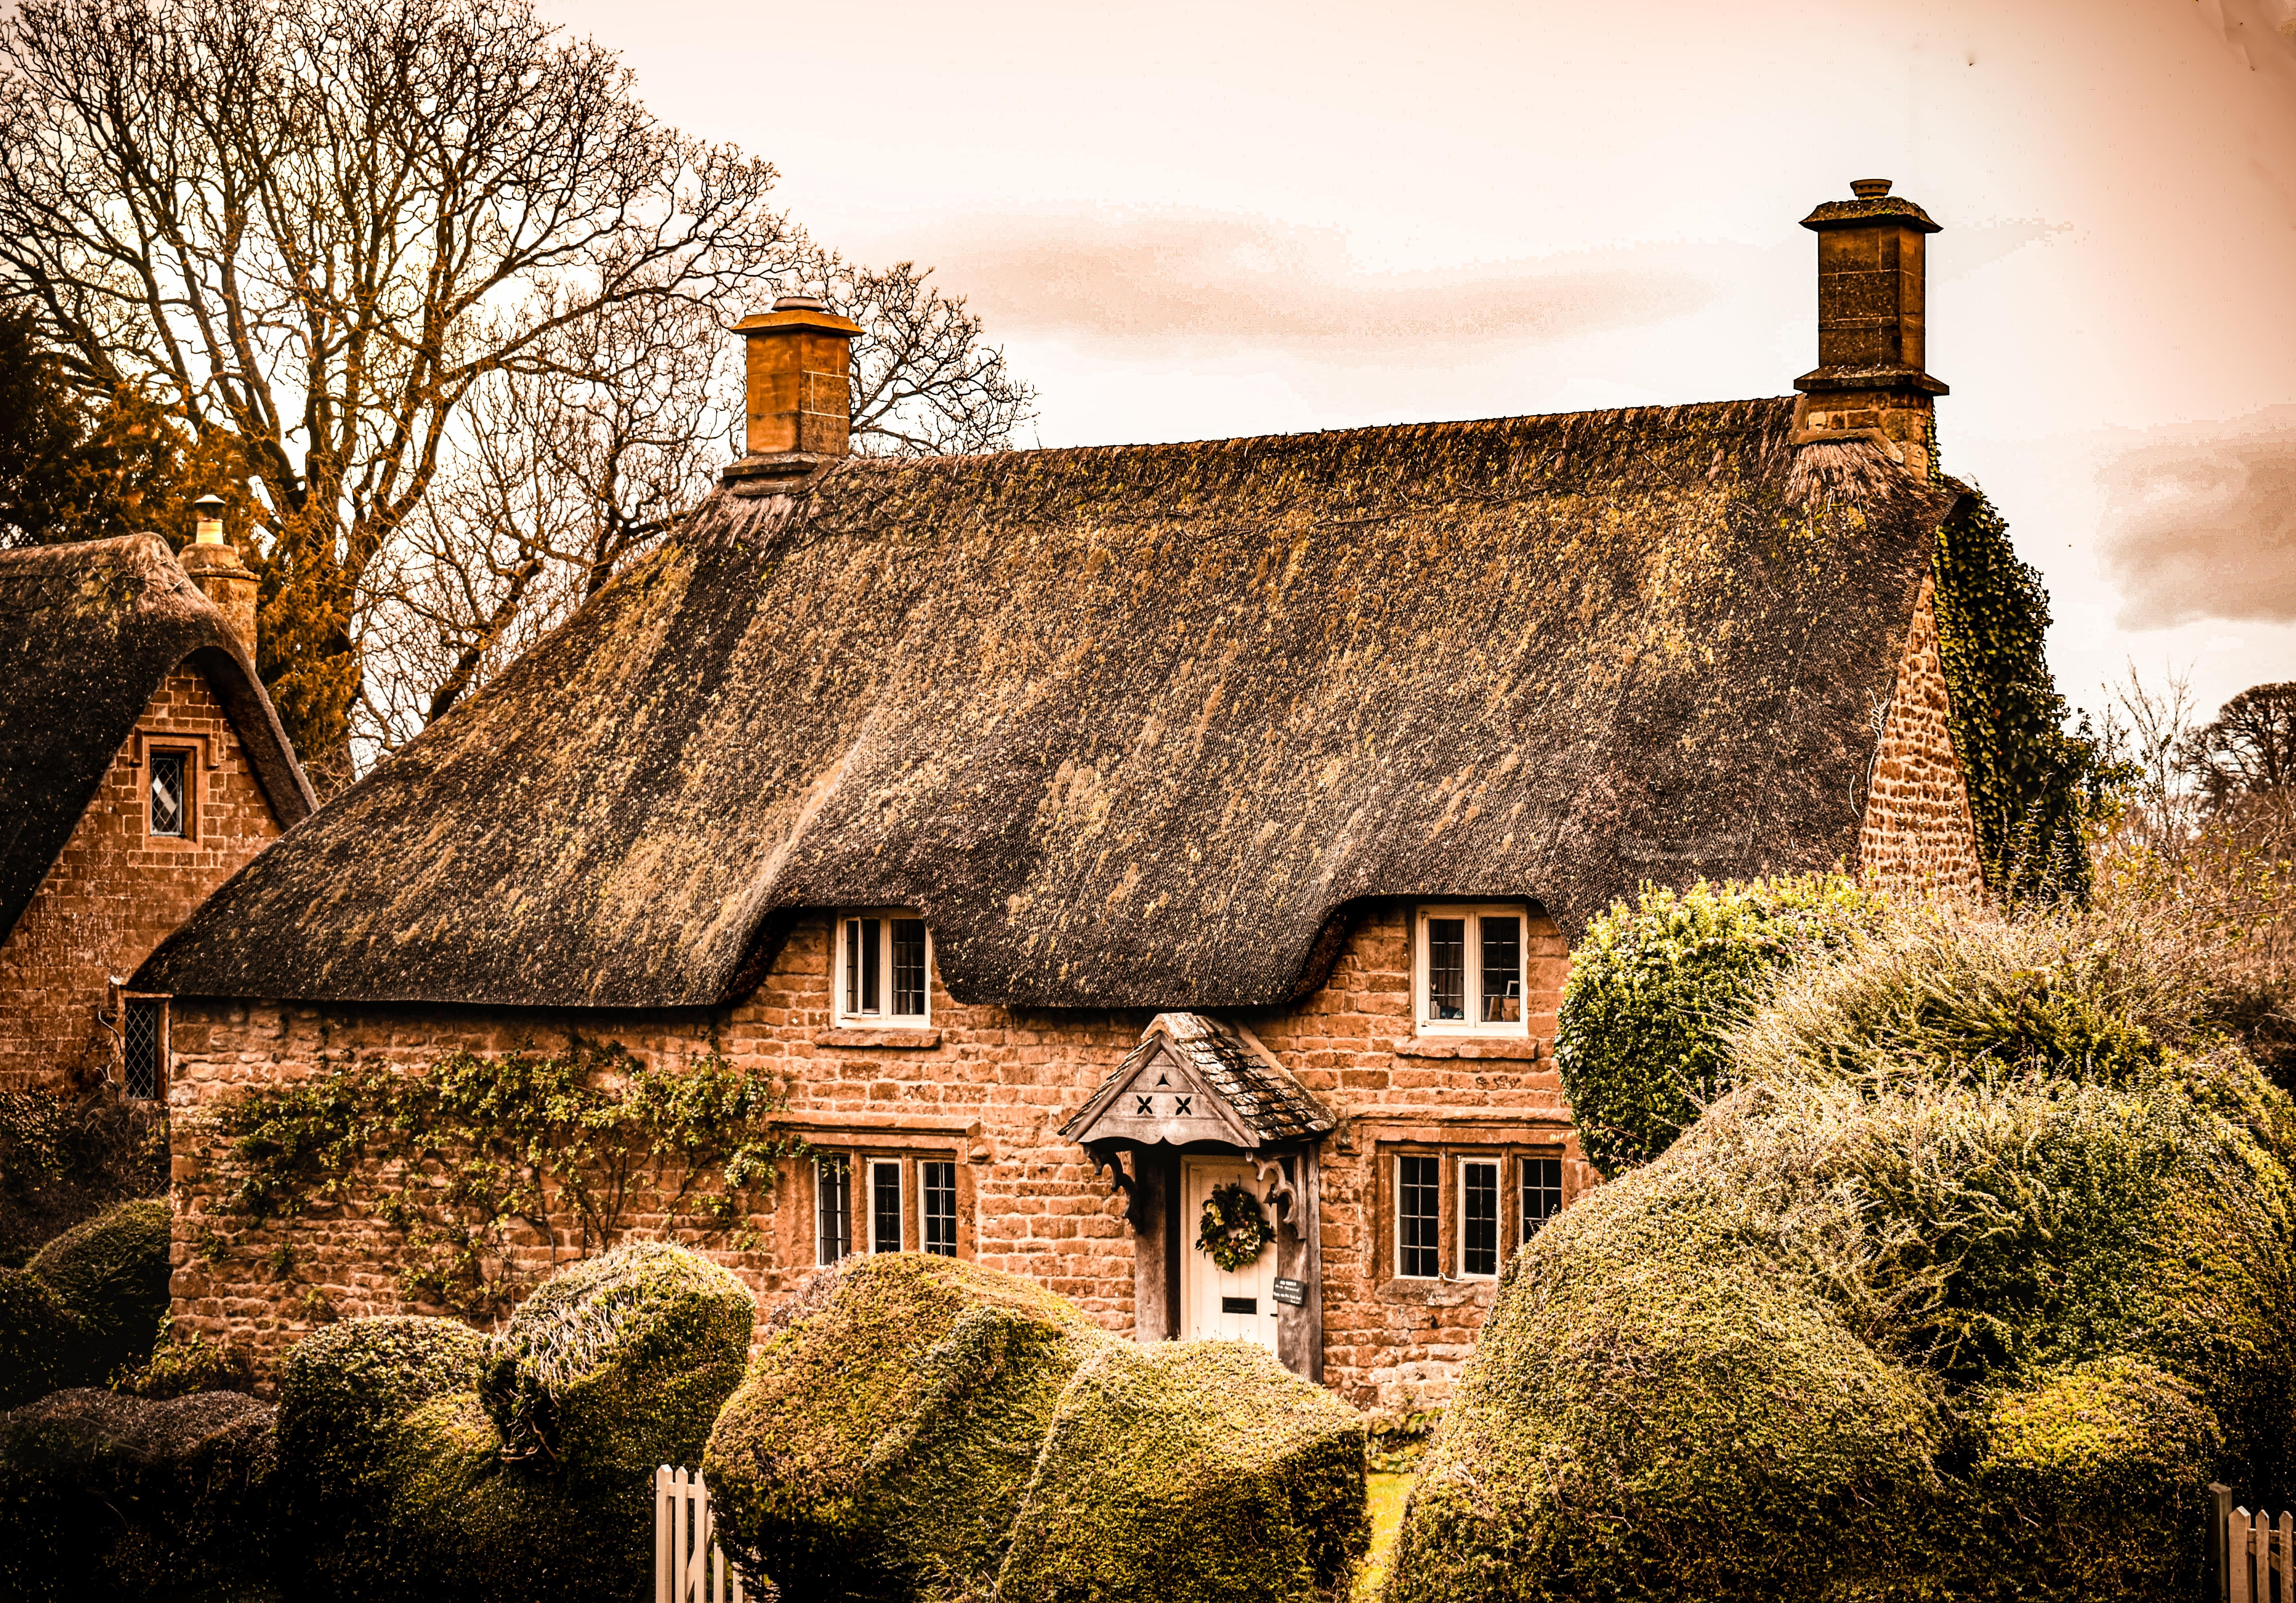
column 216, row 569
column 800, row 401
column 1872, row 380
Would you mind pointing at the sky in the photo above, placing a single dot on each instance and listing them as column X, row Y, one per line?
column 1198, row 220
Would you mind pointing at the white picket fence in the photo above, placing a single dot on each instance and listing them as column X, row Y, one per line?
column 689, row 1567
column 2253, row 1553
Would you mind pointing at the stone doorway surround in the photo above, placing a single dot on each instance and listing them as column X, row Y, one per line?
column 1197, row 1085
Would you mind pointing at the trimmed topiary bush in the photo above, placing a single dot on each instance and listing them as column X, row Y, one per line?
column 38, row 1334
column 1655, row 989
column 103, row 1496
column 450, row 1465
column 112, row 1271
column 345, row 1393
column 886, row 1429
column 1983, row 1271
column 1198, row 1469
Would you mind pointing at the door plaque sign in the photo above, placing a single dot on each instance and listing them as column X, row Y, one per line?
column 1291, row 1293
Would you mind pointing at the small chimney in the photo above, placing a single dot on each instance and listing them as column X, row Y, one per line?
column 1871, row 380
column 800, row 362
column 216, row 569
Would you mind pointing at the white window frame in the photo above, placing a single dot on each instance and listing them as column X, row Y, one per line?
column 924, row 1244
column 1515, row 1029
column 840, row 942
column 900, row 1204
column 1497, row 1166
column 1436, row 1158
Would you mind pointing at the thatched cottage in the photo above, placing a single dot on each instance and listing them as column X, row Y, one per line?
column 1084, row 831
column 141, row 766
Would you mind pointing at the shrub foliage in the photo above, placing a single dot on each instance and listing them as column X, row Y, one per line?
column 1655, row 989
column 1981, row 1270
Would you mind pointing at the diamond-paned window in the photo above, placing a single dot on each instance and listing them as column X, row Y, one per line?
column 171, row 807
column 144, row 1041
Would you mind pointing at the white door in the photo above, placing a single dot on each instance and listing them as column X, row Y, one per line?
column 1215, row 1304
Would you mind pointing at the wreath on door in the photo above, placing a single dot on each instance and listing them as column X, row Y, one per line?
column 1234, row 1229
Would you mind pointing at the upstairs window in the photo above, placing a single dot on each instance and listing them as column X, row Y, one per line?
column 885, row 963
column 1471, row 971
column 171, row 799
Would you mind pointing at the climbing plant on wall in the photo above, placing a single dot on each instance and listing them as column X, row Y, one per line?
column 479, row 1157
column 2032, row 785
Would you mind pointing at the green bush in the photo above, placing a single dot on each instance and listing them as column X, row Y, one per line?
column 183, row 1362
column 37, row 1335
column 445, row 1464
column 1655, row 989
column 345, row 1393
column 103, row 1496
column 888, row 1427
column 112, row 1272
column 1197, row 1470
column 1982, row 1271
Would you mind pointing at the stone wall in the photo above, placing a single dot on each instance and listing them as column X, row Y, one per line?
column 116, row 889
column 1919, row 836
column 986, row 1086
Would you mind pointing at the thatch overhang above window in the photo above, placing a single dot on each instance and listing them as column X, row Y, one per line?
column 1194, row 1079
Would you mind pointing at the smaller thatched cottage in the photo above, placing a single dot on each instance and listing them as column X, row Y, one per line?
column 1108, row 843
column 141, row 766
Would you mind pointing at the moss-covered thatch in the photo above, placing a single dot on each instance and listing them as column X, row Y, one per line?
column 36, row 1334
column 105, row 1497
column 1198, row 1470
column 444, row 1464
column 880, row 1446
column 112, row 1271
column 1983, row 1271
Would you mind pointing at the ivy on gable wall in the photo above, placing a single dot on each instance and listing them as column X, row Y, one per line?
column 2032, row 785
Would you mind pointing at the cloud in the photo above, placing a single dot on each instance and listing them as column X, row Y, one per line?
column 1158, row 284
column 2203, row 524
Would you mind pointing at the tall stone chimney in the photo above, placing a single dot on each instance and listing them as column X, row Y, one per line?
column 800, row 400
column 216, row 569
column 1871, row 381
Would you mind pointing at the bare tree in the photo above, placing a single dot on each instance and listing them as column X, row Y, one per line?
column 562, row 472
column 317, row 226
column 2249, row 747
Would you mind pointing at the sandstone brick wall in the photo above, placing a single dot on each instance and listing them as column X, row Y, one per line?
column 987, row 1086
column 1919, row 837
column 116, row 889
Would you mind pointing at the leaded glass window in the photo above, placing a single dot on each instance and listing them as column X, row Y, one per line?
column 1418, row 1217
column 171, row 805
column 144, row 1042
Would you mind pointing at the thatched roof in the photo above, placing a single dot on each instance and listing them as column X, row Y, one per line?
column 1133, row 726
column 89, row 632
column 1194, row 1078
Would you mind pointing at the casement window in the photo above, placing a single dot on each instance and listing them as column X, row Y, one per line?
column 143, row 1048
column 833, row 1210
column 1478, row 1218
column 880, row 1202
column 884, row 1205
column 1418, row 1217
column 936, row 1212
column 1471, row 970
column 1542, row 1192
column 884, row 966
column 171, row 773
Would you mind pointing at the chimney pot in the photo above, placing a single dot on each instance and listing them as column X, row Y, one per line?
column 1869, row 189
column 217, row 567
column 207, row 524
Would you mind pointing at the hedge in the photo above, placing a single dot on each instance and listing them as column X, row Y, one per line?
column 1202, row 1470
column 112, row 1271
column 888, row 1425
column 1655, row 989
column 445, row 1464
column 1982, row 1271
column 38, row 1333
column 103, row 1496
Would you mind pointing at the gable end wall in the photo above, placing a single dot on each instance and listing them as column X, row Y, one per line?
column 1919, row 837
